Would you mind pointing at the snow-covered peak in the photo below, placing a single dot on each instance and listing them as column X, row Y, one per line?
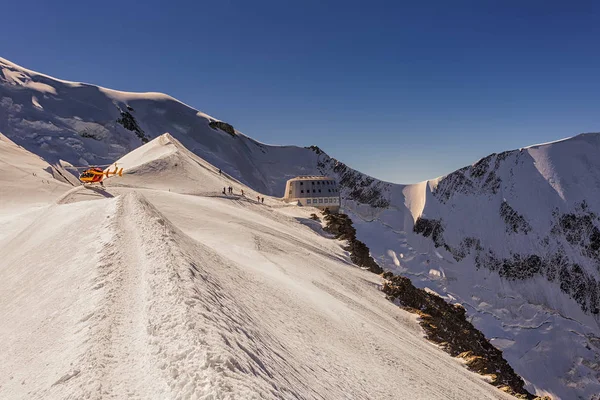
column 513, row 237
column 158, row 148
column 16, row 75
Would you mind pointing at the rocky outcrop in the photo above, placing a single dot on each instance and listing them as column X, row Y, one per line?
column 479, row 179
column 224, row 126
column 356, row 186
column 89, row 135
column 464, row 248
column 577, row 230
column 128, row 122
column 515, row 222
column 340, row 225
column 446, row 324
column 555, row 267
column 316, row 149
column 431, row 228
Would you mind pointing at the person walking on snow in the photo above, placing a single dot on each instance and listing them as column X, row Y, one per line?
column 263, row 200
column 258, row 199
column 242, row 192
column 219, row 171
column 223, row 190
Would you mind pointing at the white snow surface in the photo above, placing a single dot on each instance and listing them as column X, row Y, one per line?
column 545, row 335
column 140, row 292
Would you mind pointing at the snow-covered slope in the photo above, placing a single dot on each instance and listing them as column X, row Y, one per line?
column 85, row 124
column 138, row 292
column 512, row 237
column 17, row 165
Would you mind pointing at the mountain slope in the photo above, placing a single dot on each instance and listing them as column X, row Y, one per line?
column 512, row 237
column 18, row 165
column 85, row 124
column 145, row 293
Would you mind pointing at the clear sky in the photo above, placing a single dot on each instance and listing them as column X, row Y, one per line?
column 402, row 90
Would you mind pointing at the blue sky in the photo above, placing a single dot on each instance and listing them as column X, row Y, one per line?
column 400, row 90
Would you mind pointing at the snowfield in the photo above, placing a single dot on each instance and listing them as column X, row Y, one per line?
column 140, row 292
column 514, row 238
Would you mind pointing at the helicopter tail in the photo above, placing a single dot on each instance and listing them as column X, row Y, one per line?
column 117, row 171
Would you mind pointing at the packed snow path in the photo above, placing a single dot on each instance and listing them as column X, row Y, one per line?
column 178, row 296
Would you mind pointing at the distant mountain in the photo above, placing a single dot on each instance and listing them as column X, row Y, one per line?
column 514, row 237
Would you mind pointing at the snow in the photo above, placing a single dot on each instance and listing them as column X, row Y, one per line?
column 27, row 180
column 35, row 102
column 554, row 343
column 140, row 292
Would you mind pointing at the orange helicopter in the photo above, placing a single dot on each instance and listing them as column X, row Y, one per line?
column 97, row 174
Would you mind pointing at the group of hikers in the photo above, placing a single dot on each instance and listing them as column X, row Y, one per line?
column 229, row 190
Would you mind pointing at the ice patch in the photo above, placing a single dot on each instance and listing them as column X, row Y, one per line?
column 435, row 273
column 36, row 103
column 394, row 258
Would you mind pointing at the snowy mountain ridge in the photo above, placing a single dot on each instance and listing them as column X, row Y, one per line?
column 194, row 296
column 512, row 237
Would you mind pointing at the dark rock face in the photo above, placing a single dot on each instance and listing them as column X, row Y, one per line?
column 478, row 179
column 315, row 217
column 579, row 230
column 464, row 248
column 316, row 149
column 573, row 280
column 456, row 181
column 89, row 135
column 447, row 325
column 360, row 187
column 129, row 123
column 515, row 222
column 356, row 186
column 340, row 225
column 224, row 126
column 431, row 228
